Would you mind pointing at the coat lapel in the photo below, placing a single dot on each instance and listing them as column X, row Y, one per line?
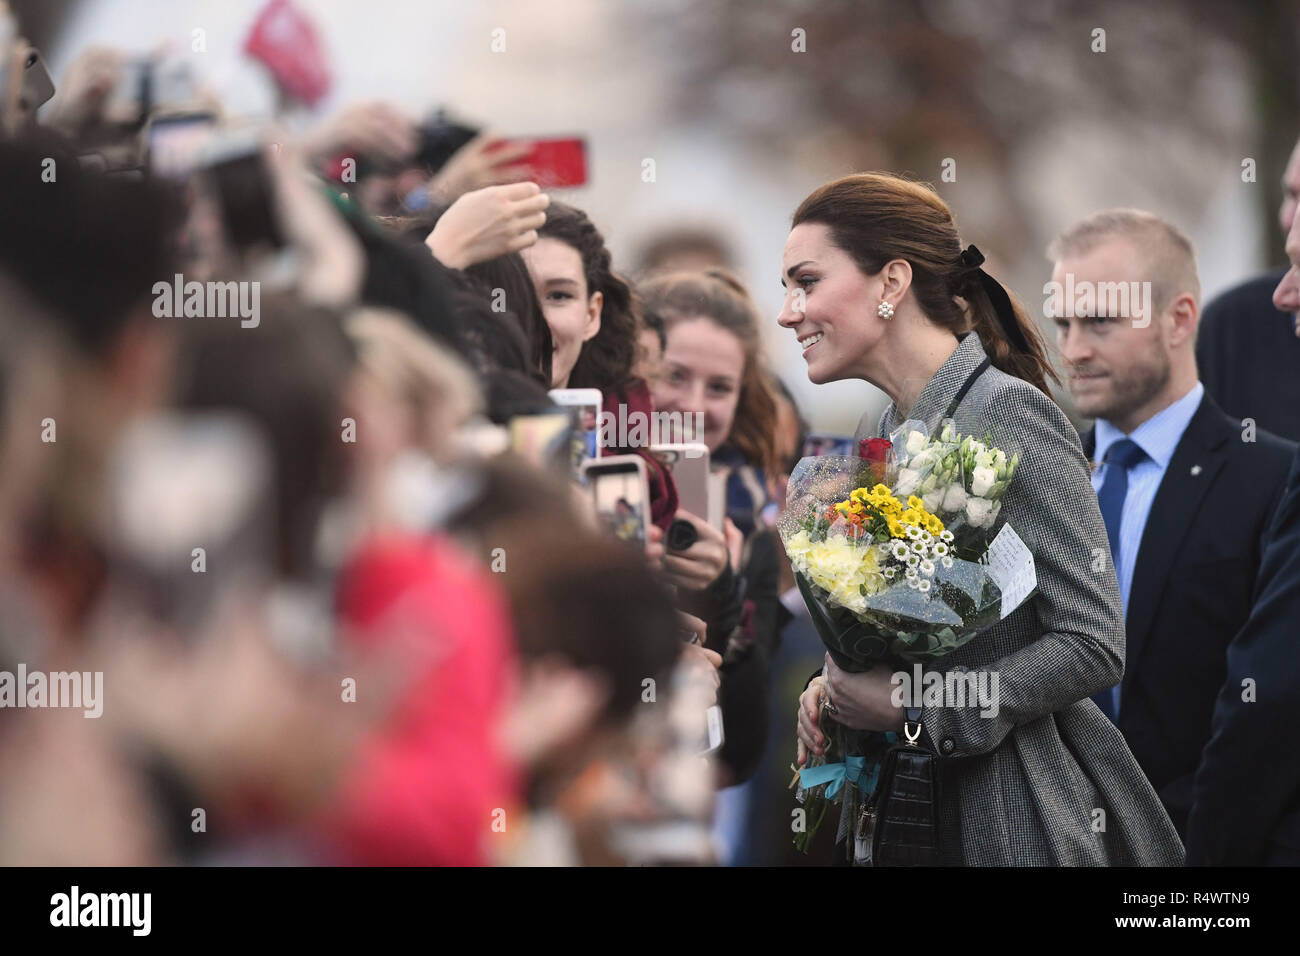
column 1195, row 464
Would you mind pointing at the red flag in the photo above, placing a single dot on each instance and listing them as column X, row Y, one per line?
column 285, row 40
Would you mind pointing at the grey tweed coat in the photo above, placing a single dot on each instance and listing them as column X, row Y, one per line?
column 1049, row 780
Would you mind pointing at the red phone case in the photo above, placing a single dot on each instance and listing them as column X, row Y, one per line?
column 554, row 163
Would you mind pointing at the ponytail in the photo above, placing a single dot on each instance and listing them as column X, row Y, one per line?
column 1010, row 337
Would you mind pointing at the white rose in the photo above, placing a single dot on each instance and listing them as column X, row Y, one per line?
column 978, row 512
column 916, row 441
column 954, row 499
column 982, row 481
column 927, row 459
column 908, row 479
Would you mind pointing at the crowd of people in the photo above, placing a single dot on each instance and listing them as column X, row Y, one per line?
column 271, row 489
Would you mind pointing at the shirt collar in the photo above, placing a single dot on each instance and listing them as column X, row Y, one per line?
column 1159, row 435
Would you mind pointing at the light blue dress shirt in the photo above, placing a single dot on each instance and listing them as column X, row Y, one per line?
column 1158, row 436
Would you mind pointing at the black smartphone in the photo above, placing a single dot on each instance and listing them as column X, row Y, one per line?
column 440, row 139
column 37, row 86
column 237, row 170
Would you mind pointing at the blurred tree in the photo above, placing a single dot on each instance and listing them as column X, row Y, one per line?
column 904, row 85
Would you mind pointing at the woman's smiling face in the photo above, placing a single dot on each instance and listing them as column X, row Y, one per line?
column 572, row 313
column 830, row 305
column 701, row 371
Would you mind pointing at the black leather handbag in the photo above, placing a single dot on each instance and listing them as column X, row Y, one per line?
column 901, row 820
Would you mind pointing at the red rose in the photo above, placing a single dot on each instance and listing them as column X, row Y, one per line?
column 875, row 451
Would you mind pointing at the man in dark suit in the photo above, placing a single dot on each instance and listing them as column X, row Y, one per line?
column 1248, row 347
column 1187, row 492
column 1246, row 797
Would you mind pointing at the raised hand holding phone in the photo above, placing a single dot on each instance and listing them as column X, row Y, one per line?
column 476, row 165
column 699, row 565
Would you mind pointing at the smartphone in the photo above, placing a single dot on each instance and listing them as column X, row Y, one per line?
column 713, row 717
column 236, row 168
column 440, row 140
column 553, row 163
column 689, row 464
column 817, row 444
column 37, row 86
column 544, row 440
column 621, row 495
column 133, row 96
column 583, row 405
column 174, row 142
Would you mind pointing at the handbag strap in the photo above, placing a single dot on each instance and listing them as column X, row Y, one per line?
column 912, row 718
column 970, row 380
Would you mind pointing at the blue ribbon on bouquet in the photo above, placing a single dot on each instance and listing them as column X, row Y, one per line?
column 835, row 774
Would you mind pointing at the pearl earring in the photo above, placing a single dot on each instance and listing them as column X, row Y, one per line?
column 885, row 311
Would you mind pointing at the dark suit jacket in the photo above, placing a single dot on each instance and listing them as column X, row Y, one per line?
column 1247, row 354
column 1246, row 808
column 1191, row 592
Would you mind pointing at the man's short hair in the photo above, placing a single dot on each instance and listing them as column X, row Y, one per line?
column 1170, row 258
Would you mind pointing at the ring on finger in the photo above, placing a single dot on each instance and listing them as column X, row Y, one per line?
column 826, row 699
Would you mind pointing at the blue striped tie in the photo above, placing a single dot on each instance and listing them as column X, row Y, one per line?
column 1123, row 455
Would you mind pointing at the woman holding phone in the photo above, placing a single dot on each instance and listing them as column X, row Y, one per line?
column 711, row 367
column 878, row 288
column 595, row 321
column 593, row 318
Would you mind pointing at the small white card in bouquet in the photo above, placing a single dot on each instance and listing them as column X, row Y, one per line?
column 1011, row 566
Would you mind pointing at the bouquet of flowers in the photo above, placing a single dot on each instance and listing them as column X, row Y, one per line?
column 890, row 554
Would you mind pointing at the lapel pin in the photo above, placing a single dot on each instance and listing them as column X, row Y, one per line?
column 1196, row 470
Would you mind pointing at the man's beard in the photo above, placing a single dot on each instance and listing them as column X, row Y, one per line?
column 1136, row 389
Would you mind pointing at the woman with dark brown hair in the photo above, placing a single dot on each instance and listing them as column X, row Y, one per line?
column 879, row 289
column 712, row 367
column 593, row 316
column 591, row 309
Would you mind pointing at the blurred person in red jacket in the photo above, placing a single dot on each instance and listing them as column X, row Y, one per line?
column 423, row 783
